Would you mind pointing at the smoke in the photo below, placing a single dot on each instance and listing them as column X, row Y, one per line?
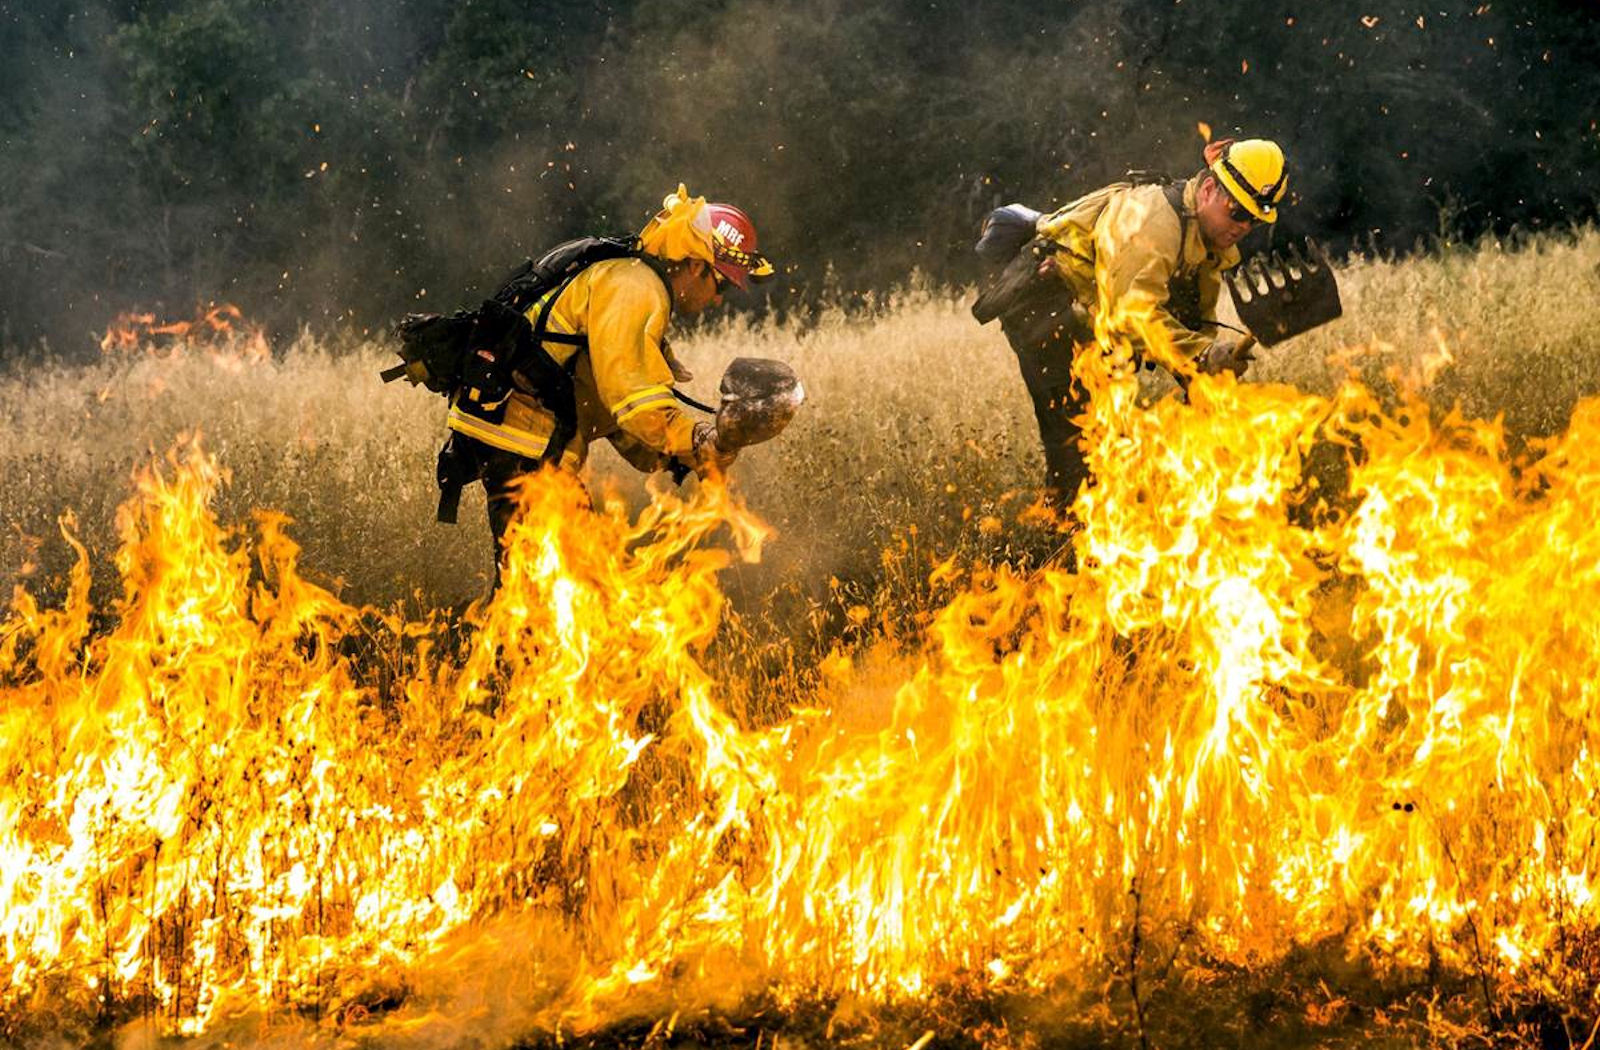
column 330, row 163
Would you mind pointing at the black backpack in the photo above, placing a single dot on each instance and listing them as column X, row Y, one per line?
column 476, row 357
column 438, row 351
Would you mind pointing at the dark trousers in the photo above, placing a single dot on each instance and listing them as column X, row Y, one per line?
column 502, row 471
column 464, row 460
column 1043, row 329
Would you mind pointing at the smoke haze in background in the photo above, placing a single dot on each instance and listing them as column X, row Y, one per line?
column 331, row 162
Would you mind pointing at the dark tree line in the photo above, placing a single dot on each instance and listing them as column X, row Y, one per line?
column 328, row 161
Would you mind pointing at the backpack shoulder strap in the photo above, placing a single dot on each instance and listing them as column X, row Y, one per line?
column 602, row 251
column 1173, row 191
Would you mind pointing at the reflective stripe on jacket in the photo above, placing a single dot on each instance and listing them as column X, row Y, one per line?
column 1123, row 247
column 623, row 378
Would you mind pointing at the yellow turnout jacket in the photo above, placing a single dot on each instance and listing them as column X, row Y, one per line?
column 623, row 379
column 1124, row 249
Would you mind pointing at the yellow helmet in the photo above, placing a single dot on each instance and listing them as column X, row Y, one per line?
column 1252, row 173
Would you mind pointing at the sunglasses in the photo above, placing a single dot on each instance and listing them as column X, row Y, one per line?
column 1238, row 213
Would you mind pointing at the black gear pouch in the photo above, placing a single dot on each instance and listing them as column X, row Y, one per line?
column 459, row 466
column 1019, row 281
column 486, row 373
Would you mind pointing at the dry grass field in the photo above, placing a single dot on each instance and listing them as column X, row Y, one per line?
column 917, row 434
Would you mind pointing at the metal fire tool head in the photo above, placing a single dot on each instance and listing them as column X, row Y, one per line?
column 759, row 398
column 1285, row 294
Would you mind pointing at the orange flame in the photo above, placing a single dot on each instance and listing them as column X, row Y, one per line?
column 218, row 330
column 1244, row 724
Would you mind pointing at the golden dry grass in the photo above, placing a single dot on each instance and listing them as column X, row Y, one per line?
column 917, row 438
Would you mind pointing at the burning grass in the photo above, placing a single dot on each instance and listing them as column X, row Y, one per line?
column 1287, row 762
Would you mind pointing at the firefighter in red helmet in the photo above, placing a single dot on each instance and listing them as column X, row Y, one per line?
column 607, row 328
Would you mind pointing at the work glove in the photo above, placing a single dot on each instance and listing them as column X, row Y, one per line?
column 1228, row 355
column 709, row 455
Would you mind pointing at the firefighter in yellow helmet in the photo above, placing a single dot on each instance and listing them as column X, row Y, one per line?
column 607, row 329
column 1144, row 248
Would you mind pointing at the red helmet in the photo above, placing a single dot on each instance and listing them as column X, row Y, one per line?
column 733, row 242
